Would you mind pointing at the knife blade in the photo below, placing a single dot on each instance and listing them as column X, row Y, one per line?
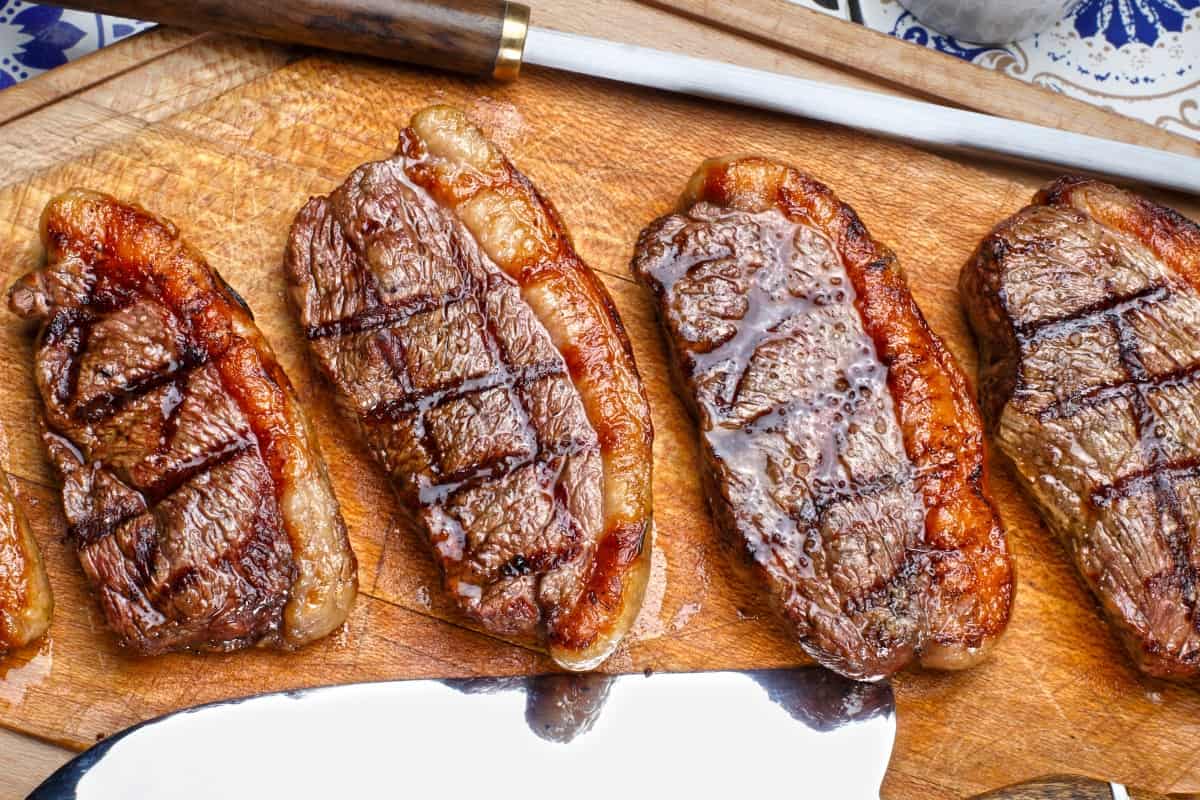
column 494, row 37
column 885, row 115
column 716, row 734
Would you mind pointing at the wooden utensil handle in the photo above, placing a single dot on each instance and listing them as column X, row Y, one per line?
column 476, row 36
column 1064, row 787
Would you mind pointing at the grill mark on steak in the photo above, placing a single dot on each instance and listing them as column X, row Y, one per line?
column 89, row 531
column 842, row 451
column 193, row 489
column 507, row 378
column 526, row 464
column 1098, row 395
column 379, row 315
column 1159, row 477
column 438, row 492
column 383, row 316
column 1097, row 441
column 108, row 404
column 444, row 485
column 173, row 481
column 1143, row 480
column 1158, row 471
column 826, row 497
column 1114, row 306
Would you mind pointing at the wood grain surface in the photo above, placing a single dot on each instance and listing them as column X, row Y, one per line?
column 257, row 131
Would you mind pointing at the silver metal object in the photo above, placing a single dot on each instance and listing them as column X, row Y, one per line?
column 896, row 117
column 1118, row 791
column 990, row 21
column 720, row 734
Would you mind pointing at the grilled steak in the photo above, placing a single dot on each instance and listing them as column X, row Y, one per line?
column 843, row 454
column 491, row 377
column 1086, row 306
column 26, row 604
column 192, row 483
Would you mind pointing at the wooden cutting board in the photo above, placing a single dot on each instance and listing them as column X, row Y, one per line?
column 229, row 138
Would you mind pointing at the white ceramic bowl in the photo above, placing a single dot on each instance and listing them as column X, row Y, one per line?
column 990, row 21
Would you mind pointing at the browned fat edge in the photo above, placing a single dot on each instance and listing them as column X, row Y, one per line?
column 17, row 565
column 600, row 607
column 1172, row 237
column 939, row 420
column 608, row 373
column 598, row 610
column 189, row 288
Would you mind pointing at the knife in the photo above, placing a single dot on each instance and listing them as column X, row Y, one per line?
column 493, row 37
column 803, row 732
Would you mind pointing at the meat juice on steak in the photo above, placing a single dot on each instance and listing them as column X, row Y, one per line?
column 810, row 469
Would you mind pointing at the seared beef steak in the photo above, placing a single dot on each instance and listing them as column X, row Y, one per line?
column 1086, row 306
column 843, row 453
column 492, row 379
column 192, row 483
column 26, row 604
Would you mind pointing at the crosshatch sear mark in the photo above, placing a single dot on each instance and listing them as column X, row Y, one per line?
column 826, row 497
column 1116, row 305
column 1098, row 395
column 149, row 497
column 492, row 470
column 426, row 401
column 1160, row 475
column 381, row 314
column 107, row 404
column 386, row 316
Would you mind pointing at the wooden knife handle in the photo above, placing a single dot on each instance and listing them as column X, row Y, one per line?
column 482, row 37
column 1064, row 787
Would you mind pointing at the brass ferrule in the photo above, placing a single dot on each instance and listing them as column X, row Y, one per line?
column 512, row 42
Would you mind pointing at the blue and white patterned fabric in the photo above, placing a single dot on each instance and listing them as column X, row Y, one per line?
column 35, row 38
column 1138, row 57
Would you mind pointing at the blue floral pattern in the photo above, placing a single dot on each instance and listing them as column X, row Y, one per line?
column 1139, row 57
column 49, row 37
column 1123, row 21
column 1118, row 22
column 927, row 37
column 35, row 38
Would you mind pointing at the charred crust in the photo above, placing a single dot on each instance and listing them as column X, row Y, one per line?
column 593, row 615
column 233, row 294
column 1059, row 191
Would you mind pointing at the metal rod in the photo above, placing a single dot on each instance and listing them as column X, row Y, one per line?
column 893, row 117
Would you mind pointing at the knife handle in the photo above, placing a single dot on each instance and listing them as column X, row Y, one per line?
column 480, row 37
column 1067, row 787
